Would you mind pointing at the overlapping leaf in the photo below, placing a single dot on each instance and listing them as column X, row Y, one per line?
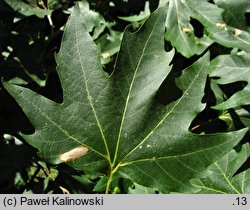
column 229, row 69
column 244, row 116
column 181, row 34
column 28, row 8
column 234, row 14
column 222, row 178
column 94, row 21
column 115, row 124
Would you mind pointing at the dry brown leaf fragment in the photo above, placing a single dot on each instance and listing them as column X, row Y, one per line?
column 105, row 55
column 74, row 154
column 221, row 25
column 186, row 30
column 64, row 190
column 237, row 32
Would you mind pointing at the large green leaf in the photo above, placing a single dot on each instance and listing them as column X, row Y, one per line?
column 28, row 8
column 222, row 178
column 229, row 69
column 115, row 124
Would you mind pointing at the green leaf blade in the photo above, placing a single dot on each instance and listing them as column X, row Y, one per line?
column 221, row 178
column 116, row 124
column 180, row 157
column 28, row 9
column 78, row 100
column 179, row 30
column 181, row 33
column 229, row 69
column 137, row 78
column 234, row 12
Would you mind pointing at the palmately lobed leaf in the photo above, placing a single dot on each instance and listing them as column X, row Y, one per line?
column 115, row 123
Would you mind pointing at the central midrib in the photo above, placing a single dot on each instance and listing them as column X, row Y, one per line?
column 89, row 96
column 129, row 92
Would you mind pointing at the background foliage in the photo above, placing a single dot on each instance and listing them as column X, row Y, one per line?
column 30, row 35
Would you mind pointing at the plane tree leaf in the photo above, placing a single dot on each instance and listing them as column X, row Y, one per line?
column 231, row 37
column 115, row 124
column 229, row 69
column 233, row 31
column 234, row 12
column 181, row 33
column 222, row 178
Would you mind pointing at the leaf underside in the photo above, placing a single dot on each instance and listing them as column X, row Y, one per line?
column 117, row 119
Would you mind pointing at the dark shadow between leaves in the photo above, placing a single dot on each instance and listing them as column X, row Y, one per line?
column 14, row 159
column 207, row 121
column 168, row 91
column 244, row 167
column 215, row 49
column 12, row 118
column 198, row 27
column 247, row 17
column 231, row 88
